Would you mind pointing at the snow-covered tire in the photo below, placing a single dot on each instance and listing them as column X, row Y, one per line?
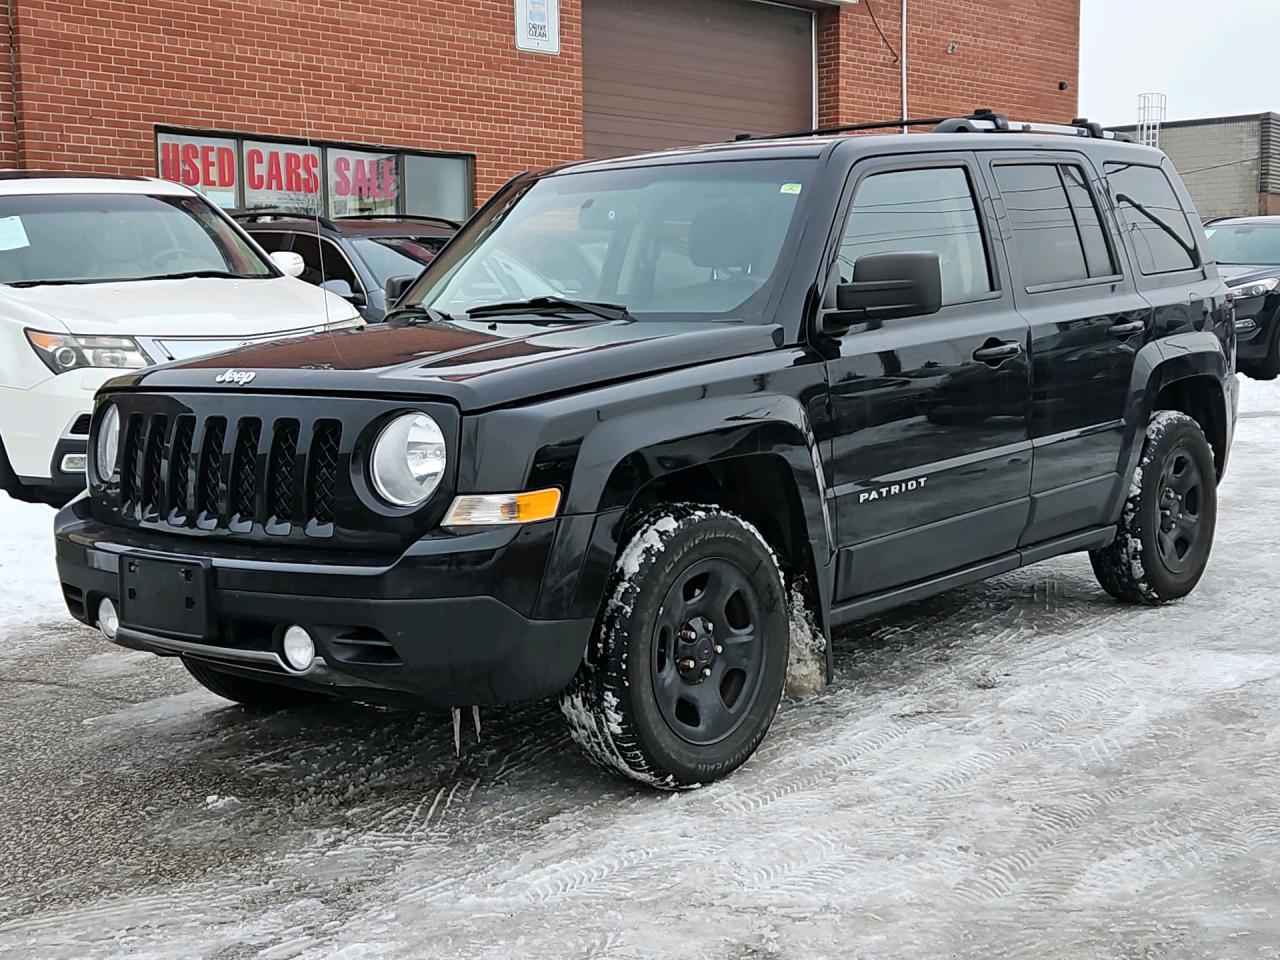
column 247, row 691
column 694, row 589
column 1166, row 529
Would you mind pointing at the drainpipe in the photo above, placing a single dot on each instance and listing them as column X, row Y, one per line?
column 902, row 60
column 13, row 82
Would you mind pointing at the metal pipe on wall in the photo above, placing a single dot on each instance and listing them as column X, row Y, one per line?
column 902, row 60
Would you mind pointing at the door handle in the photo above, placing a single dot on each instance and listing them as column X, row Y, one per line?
column 1123, row 330
column 997, row 353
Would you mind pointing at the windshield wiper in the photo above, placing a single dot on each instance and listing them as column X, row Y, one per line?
column 412, row 316
column 552, row 304
column 1188, row 248
column 192, row 274
column 52, row 283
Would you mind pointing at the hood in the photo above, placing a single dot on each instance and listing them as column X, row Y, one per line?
column 476, row 364
column 1236, row 273
column 202, row 307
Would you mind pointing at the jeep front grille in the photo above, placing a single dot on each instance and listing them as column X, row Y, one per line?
column 246, row 472
column 260, row 468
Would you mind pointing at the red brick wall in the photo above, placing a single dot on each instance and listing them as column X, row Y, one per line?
column 97, row 76
column 8, row 157
column 435, row 74
column 1009, row 55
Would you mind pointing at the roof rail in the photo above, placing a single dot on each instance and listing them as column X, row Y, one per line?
column 981, row 120
column 442, row 221
column 258, row 216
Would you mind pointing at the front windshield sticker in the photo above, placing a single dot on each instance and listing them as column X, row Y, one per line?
column 13, row 236
column 790, row 188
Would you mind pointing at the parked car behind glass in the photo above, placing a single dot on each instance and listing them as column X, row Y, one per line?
column 102, row 274
column 354, row 256
column 1248, row 254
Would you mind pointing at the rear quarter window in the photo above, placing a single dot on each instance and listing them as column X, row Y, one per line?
column 1153, row 218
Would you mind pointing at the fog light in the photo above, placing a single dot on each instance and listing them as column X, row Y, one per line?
column 1247, row 325
column 75, row 463
column 108, row 619
column 299, row 649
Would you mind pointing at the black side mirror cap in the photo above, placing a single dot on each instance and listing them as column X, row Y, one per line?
column 887, row 286
column 395, row 288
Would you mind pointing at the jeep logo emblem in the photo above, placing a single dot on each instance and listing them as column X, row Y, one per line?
column 241, row 378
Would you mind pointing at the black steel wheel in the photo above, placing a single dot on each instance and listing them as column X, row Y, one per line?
column 1166, row 528
column 708, row 654
column 689, row 657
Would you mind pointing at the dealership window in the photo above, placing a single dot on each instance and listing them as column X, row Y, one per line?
column 341, row 180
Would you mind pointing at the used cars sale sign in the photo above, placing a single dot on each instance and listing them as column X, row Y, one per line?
column 282, row 176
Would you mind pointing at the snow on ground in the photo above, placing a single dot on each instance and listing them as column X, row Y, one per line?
column 1022, row 768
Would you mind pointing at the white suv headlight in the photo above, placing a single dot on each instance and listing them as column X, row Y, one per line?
column 62, row 352
column 107, row 449
column 408, row 460
column 1255, row 288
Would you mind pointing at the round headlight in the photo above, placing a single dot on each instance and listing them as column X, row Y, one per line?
column 108, row 449
column 408, row 460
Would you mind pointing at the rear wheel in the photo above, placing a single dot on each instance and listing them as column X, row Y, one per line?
column 249, row 692
column 1166, row 530
column 690, row 653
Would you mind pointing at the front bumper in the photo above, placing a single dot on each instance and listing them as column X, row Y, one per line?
column 1256, row 319
column 382, row 632
column 34, row 426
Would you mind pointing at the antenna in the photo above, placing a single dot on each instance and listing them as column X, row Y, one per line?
column 1152, row 108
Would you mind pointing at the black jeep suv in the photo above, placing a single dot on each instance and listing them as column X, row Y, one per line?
column 639, row 408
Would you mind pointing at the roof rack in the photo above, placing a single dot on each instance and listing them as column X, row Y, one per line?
column 259, row 216
column 981, row 120
column 442, row 221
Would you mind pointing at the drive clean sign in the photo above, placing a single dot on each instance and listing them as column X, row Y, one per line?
column 538, row 25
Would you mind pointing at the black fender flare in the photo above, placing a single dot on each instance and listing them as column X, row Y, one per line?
column 1157, row 365
column 623, row 455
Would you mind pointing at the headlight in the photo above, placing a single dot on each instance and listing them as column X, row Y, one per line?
column 107, row 450
column 408, row 460
column 1255, row 288
column 62, row 352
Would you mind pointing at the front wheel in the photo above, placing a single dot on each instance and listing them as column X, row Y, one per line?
column 689, row 657
column 1166, row 530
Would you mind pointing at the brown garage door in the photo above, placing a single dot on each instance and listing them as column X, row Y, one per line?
column 664, row 73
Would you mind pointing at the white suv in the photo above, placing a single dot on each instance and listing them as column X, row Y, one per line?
column 103, row 274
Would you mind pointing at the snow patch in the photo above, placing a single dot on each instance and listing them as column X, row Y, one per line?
column 807, row 663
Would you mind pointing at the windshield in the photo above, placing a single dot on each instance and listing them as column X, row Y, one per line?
column 397, row 256
column 1245, row 243
column 94, row 238
column 695, row 240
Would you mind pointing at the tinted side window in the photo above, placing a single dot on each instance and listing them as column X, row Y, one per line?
column 1046, row 241
column 1097, row 253
column 335, row 264
column 270, row 240
column 1153, row 218
column 920, row 210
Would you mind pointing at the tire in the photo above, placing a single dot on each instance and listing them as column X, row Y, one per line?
column 689, row 656
column 248, row 692
column 1166, row 528
column 1268, row 368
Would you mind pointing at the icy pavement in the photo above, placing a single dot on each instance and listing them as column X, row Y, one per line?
column 1019, row 769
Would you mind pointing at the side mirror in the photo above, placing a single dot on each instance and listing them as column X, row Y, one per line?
column 887, row 286
column 290, row 264
column 395, row 288
column 341, row 288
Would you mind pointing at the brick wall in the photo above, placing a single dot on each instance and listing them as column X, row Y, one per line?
column 97, row 76
column 1009, row 55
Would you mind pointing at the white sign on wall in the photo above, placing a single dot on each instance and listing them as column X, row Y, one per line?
column 538, row 25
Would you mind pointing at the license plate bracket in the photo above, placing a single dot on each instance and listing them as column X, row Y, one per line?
column 168, row 597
